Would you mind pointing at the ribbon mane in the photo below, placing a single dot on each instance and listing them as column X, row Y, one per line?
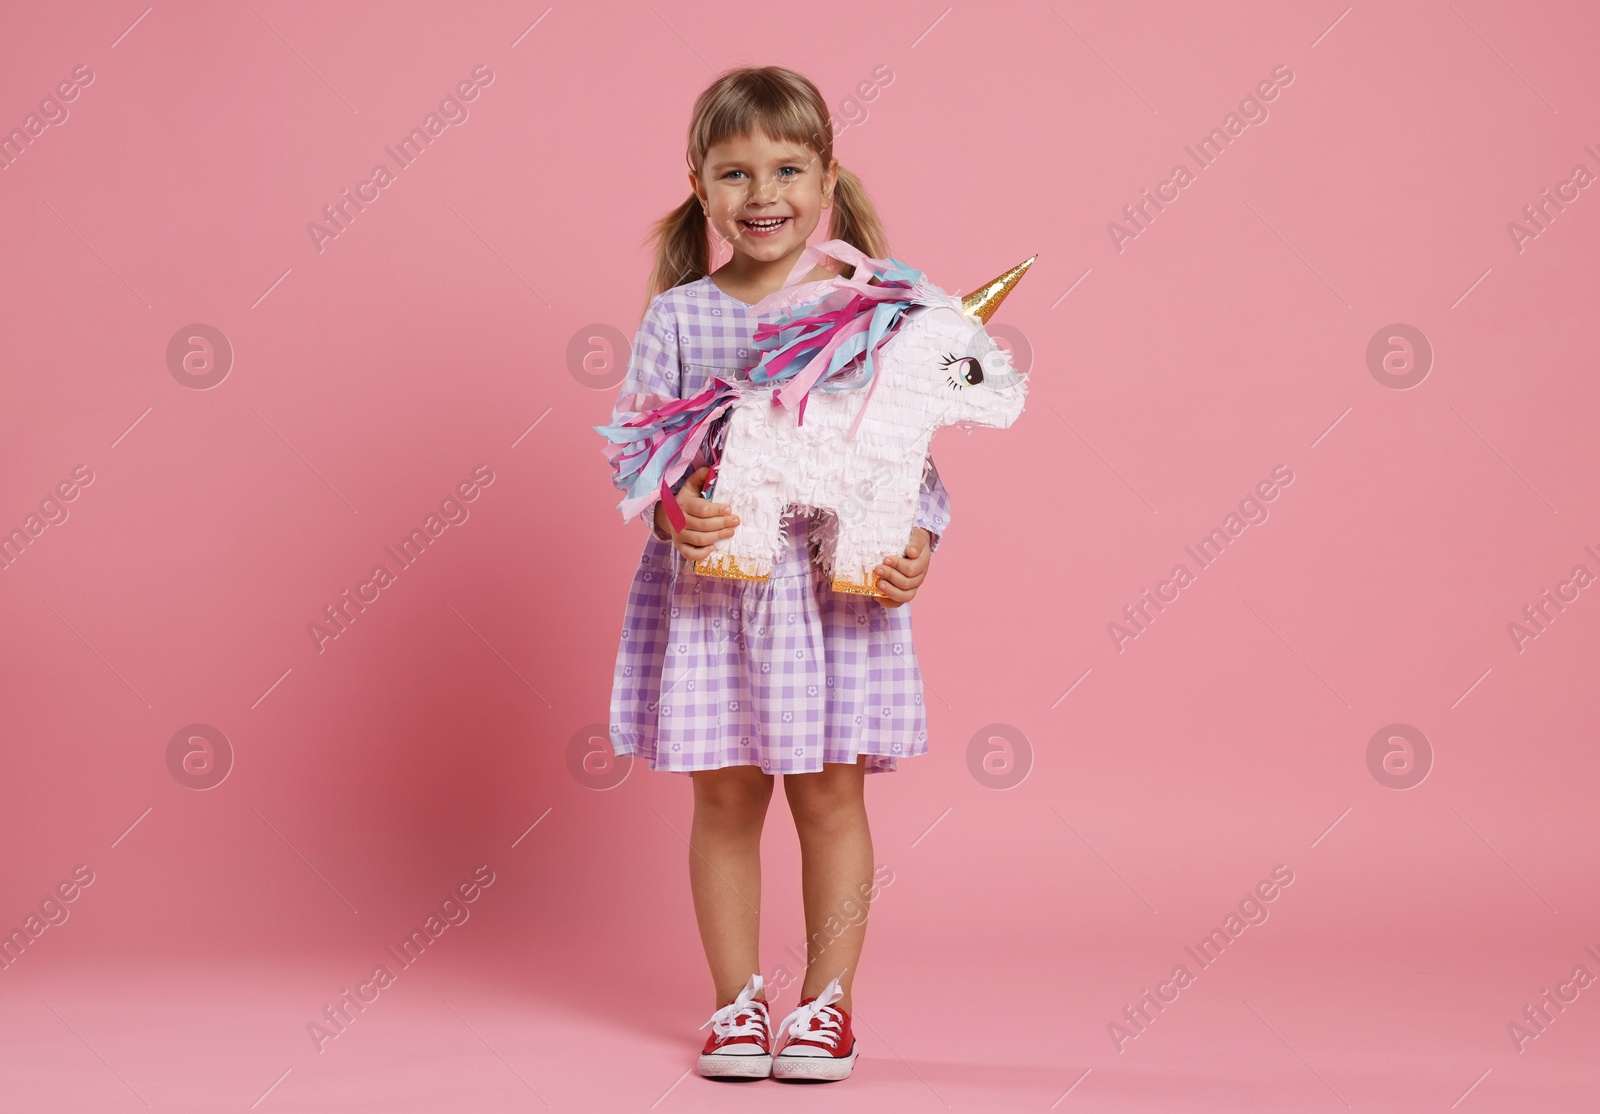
column 831, row 343
column 827, row 343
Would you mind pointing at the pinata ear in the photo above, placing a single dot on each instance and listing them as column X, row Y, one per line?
column 982, row 302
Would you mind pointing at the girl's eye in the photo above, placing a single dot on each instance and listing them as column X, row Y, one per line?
column 969, row 373
column 796, row 169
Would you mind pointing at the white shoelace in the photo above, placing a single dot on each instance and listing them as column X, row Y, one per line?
column 726, row 1023
column 798, row 1025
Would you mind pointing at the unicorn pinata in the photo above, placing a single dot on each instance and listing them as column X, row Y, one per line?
column 854, row 379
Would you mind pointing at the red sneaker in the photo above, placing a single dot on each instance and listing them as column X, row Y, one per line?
column 740, row 1044
column 816, row 1040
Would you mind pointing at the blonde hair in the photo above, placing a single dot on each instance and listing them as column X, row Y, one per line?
column 784, row 106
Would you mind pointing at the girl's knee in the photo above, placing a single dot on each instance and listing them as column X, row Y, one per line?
column 828, row 798
column 732, row 794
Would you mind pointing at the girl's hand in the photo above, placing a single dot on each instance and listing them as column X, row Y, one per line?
column 707, row 522
column 899, row 577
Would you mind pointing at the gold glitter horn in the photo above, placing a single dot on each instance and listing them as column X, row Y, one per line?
column 982, row 302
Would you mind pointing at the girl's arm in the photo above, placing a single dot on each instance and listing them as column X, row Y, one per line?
column 653, row 369
column 933, row 505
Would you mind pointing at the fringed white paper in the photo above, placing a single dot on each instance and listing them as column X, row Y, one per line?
column 940, row 368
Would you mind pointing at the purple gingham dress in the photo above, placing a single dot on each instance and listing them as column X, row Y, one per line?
column 785, row 674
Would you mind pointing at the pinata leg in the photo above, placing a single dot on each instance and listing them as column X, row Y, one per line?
column 750, row 552
column 855, row 557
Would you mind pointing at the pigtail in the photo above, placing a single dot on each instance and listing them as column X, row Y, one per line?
column 682, row 248
column 855, row 220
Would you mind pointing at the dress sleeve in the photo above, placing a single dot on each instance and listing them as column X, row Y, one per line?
column 654, row 368
column 933, row 505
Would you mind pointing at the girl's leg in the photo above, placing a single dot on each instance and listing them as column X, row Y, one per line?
column 725, row 871
column 830, row 815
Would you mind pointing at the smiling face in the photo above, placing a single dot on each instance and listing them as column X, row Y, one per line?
column 764, row 196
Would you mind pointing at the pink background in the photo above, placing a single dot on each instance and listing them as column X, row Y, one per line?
column 432, row 337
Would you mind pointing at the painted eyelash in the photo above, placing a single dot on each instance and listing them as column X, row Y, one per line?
column 944, row 362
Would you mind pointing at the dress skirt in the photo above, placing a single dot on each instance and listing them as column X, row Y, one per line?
column 784, row 674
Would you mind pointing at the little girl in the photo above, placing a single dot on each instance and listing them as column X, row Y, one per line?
column 734, row 681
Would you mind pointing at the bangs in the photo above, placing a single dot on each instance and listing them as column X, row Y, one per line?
column 762, row 108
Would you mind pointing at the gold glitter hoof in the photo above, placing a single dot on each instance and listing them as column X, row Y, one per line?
column 856, row 589
column 725, row 567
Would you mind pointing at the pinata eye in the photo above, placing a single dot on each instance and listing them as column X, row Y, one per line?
column 968, row 373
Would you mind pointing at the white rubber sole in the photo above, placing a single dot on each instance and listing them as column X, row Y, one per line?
column 820, row 1068
column 734, row 1066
